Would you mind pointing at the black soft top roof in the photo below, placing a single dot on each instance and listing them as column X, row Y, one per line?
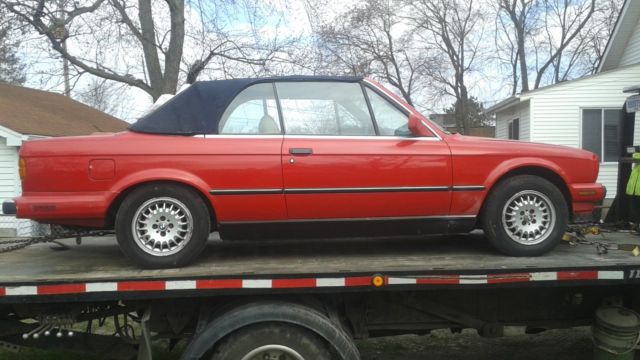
column 198, row 109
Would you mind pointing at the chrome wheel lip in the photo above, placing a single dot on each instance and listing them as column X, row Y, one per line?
column 529, row 217
column 272, row 352
column 169, row 226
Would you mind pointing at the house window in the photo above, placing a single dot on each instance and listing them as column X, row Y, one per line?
column 514, row 129
column 600, row 133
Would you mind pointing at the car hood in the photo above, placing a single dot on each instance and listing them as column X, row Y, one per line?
column 471, row 144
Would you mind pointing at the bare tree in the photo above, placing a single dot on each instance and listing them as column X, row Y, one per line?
column 564, row 20
column 597, row 35
column 104, row 95
column 12, row 69
column 371, row 39
column 139, row 43
column 454, row 28
column 517, row 17
column 544, row 34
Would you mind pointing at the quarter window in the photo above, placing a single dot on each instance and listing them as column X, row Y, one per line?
column 253, row 111
column 324, row 108
column 600, row 133
column 391, row 121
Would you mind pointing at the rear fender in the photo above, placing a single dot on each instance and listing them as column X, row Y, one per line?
column 151, row 175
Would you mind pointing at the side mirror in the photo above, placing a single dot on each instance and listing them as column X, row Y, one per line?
column 417, row 127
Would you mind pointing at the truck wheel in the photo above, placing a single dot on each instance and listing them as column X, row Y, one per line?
column 272, row 341
column 162, row 226
column 525, row 215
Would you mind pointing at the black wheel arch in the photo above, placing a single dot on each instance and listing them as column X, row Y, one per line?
column 541, row 172
column 238, row 316
column 112, row 211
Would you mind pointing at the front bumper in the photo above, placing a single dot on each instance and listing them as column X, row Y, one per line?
column 585, row 197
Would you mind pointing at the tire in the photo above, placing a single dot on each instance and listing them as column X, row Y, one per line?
column 175, row 226
column 272, row 341
column 525, row 215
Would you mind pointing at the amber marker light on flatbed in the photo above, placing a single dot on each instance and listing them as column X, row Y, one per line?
column 377, row 281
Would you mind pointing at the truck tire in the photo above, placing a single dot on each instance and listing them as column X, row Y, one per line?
column 525, row 215
column 280, row 341
column 162, row 225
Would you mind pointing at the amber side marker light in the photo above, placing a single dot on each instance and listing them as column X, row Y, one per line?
column 587, row 193
column 22, row 168
column 377, row 281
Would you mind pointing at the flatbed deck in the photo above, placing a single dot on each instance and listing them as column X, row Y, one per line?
column 97, row 266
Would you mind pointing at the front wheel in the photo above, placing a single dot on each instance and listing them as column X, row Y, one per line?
column 162, row 225
column 525, row 215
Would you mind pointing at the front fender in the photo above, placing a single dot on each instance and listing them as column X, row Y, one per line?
column 510, row 165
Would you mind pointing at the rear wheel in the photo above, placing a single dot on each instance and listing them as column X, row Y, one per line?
column 525, row 215
column 272, row 341
column 162, row 225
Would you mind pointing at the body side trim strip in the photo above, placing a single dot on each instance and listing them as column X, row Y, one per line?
column 389, row 218
column 366, row 189
column 347, row 190
column 245, row 192
column 468, row 188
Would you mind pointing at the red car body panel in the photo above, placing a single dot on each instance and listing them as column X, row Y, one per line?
column 366, row 163
column 253, row 178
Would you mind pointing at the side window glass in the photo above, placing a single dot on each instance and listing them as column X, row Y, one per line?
column 390, row 120
column 253, row 111
column 324, row 108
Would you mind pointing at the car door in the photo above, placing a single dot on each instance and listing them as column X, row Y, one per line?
column 245, row 173
column 336, row 166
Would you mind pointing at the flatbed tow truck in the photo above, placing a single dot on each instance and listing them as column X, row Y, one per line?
column 304, row 299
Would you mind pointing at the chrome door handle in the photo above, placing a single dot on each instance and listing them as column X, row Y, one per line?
column 300, row 151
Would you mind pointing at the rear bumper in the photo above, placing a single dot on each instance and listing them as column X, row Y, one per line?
column 9, row 208
column 63, row 208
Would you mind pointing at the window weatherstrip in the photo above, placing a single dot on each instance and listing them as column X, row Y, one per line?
column 283, row 131
column 363, row 88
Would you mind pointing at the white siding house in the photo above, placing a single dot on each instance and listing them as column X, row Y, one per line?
column 10, row 185
column 28, row 114
column 582, row 113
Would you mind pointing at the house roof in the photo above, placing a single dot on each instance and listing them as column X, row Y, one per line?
column 506, row 103
column 35, row 112
column 625, row 25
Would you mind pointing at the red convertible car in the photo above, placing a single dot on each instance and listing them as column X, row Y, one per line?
column 304, row 156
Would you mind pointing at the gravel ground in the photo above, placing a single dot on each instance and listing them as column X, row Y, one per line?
column 566, row 344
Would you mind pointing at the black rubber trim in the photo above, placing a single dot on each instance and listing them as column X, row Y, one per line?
column 9, row 208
